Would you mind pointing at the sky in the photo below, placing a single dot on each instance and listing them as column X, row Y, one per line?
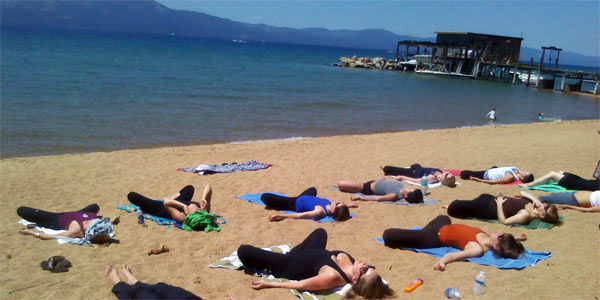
column 571, row 25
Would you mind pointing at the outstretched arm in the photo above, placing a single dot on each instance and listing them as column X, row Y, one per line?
column 473, row 249
column 316, row 283
column 579, row 208
column 508, row 178
column 406, row 178
column 303, row 215
column 552, row 176
column 45, row 236
column 388, row 197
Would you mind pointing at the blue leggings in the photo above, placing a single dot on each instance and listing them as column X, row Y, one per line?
column 560, row 198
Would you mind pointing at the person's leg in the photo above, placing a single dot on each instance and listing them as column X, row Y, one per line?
column 40, row 217
column 257, row 258
column 390, row 170
column 147, row 205
column 575, row 182
column 551, row 176
column 420, row 239
column 277, row 202
column 316, row 240
column 560, row 198
column 480, row 207
column 350, row 186
column 91, row 208
column 311, row 191
column 466, row 174
column 186, row 194
column 167, row 291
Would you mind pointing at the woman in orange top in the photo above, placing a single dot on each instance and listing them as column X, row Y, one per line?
column 440, row 232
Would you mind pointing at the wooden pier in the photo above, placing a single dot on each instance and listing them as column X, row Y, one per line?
column 481, row 56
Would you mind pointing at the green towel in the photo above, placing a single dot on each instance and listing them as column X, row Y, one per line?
column 201, row 220
column 534, row 224
column 551, row 187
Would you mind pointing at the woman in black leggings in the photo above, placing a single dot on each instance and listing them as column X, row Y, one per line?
column 307, row 206
column 507, row 210
column 314, row 267
column 175, row 207
column 75, row 223
column 568, row 181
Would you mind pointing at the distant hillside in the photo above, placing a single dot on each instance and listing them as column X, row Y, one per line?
column 151, row 17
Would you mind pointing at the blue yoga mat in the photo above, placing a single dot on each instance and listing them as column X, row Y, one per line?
column 529, row 258
column 255, row 198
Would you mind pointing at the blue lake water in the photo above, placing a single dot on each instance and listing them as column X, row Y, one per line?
column 70, row 93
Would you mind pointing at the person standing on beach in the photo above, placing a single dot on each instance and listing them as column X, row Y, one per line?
column 492, row 115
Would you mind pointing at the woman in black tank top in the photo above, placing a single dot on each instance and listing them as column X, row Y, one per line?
column 505, row 209
column 314, row 267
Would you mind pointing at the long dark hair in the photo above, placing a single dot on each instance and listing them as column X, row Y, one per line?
column 509, row 247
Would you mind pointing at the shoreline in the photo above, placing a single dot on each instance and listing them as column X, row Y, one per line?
column 68, row 182
column 287, row 138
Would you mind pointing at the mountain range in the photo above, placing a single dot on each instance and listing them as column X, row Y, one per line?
column 151, row 17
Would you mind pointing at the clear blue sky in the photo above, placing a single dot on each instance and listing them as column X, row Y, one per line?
column 573, row 26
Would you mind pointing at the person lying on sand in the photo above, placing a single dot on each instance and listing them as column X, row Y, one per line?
column 506, row 210
column 415, row 172
column 567, row 180
column 307, row 206
column 314, row 268
column 472, row 241
column 584, row 201
column 175, row 207
column 134, row 289
column 497, row 175
column 381, row 190
column 84, row 223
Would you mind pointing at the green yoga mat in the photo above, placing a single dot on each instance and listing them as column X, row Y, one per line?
column 534, row 224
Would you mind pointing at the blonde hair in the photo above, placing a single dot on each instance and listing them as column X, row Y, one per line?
column 373, row 288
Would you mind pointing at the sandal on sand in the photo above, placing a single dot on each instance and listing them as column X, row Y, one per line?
column 56, row 264
column 163, row 249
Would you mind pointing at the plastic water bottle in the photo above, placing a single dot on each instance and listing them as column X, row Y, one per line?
column 452, row 293
column 424, row 185
column 140, row 216
column 479, row 285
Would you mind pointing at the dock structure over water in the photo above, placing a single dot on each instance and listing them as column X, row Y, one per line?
column 482, row 56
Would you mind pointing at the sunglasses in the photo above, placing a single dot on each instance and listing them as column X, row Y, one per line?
column 364, row 270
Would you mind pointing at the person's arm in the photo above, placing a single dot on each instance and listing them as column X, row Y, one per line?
column 173, row 207
column 45, row 236
column 303, row 215
column 508, row 178
column 316, row 283
column 552, row 176
column 579, row 208
column 388, row 197
column 406, row 178
column 521, row 217
column 473, row 249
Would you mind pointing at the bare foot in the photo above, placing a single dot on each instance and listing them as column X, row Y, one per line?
column 126, row 270
column 445, row 206
column 112, row 274
column 206, row 197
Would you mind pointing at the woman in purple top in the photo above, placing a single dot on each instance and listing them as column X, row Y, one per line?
column 74, row 222
column 307, row 206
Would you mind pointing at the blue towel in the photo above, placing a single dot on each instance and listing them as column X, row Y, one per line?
column 529, row 258
column 255, row 198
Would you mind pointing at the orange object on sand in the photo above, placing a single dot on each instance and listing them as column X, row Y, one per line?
column 415, row 284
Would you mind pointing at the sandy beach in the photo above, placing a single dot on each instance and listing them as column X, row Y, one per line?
column 69, row 182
